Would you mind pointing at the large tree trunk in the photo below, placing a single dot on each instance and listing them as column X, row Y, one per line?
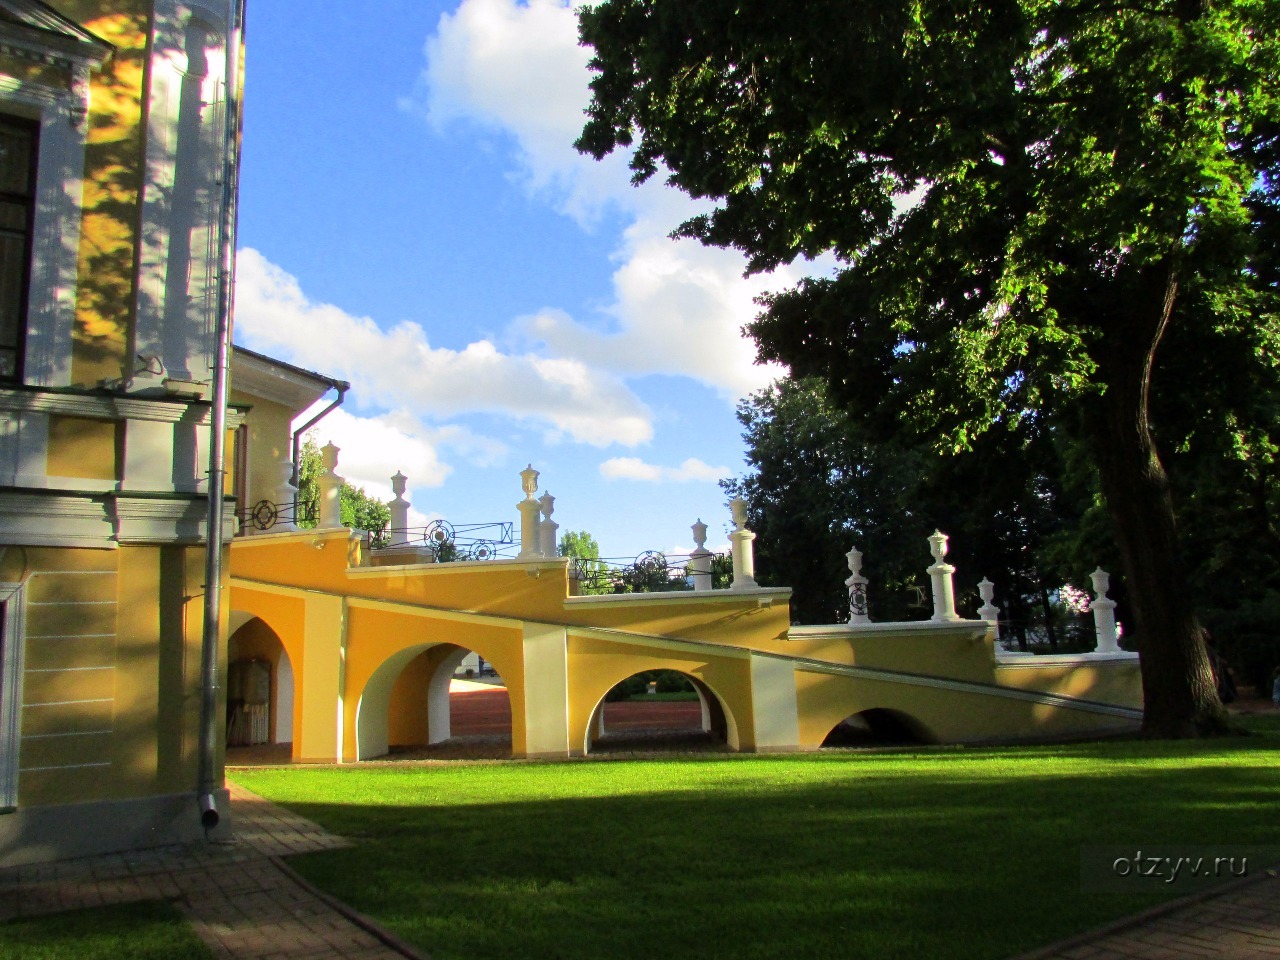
column 1178, row 687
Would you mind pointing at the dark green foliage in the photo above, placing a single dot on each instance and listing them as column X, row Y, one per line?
column 666, row 681
column 822, row 482
column 1084, row 180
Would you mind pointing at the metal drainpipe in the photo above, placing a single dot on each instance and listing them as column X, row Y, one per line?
column 210, row 722
column 342, row 387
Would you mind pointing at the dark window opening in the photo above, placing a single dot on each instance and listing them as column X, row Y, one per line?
column 17, row 209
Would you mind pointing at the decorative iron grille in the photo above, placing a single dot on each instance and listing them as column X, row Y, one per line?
column 453, row 542
column 649, row 572
column 265, row 514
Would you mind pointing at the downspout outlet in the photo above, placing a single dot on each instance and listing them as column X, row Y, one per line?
column 208, row 811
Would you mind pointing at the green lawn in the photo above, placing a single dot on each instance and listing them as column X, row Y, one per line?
column 133, row 931
column 946, row 852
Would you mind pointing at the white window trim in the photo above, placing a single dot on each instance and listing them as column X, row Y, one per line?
column 11, row 691
column 55, row 239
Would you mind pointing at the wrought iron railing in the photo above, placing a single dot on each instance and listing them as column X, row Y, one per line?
column 265, row 514
column 451, row 542
column 650, row 572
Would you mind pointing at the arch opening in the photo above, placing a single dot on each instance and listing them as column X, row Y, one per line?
column 260, row 695
column 665, row 710
column 878, row 727
column 436, row 704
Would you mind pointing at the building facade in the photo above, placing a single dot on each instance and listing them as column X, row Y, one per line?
column 118, row 151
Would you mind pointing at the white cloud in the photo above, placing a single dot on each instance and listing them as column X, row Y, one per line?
column 680, row 307
column 398, row 368
column 372, row 449
column 517, row 67
column 633, row 468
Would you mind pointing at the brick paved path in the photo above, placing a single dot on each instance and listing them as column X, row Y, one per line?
column 1241, row 923
column 242, row 901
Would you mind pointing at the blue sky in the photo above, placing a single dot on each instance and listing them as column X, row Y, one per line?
column 415, row 220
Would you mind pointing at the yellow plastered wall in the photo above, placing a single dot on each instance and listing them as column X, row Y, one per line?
column 84, row 448
column 408, row 718
column 1105, row 681
column 944, row 715
column 110, row 691
column 270, row 443
column 283, row 616
column 320, row 560
column 381, row 644
column 740, row 621
column 597, row 665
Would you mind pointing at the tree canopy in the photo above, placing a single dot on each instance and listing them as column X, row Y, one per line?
column 1024, row 198
column 358, row 510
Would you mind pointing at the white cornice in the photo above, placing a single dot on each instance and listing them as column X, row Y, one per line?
column 109, row 406
column 103, row 521
column 255, row 377
column 45, row 36
column 851, row 631
column 55, row 521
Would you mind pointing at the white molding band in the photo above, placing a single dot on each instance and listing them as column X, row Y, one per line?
column 111, row 406
column 103, row 521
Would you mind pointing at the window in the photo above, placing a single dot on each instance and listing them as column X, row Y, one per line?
column 17, row 193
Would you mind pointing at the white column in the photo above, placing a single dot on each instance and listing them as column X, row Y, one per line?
column 546, row 691
column 529, row 512
column 1104, row 613
column 398, row 532
column 744, row 561
column 944, row 597
column 774, row 711
column 857, row 585
column 329, row 485
column 700, row 559
column 547, row 528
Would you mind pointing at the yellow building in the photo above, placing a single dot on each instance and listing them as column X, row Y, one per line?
column 118, row 129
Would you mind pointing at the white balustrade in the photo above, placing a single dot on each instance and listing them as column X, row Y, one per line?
column 700, row 559
column 989, row 611
column 1104, row 614
column 329, row 486
column 744, row 561
column 547, row 528
column 941, row 573
column 530, row 510
column 857, row 585
column 399, row 527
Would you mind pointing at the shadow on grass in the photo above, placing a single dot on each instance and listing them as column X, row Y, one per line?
column 949, row 853
column 149, row 930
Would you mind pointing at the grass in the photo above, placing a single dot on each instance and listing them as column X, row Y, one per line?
column 946, row 852
column 133, row 931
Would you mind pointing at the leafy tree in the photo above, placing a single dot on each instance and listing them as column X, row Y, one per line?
column 359, row 511
column 1025, row 197
column 582, row 547
column 820, row 482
